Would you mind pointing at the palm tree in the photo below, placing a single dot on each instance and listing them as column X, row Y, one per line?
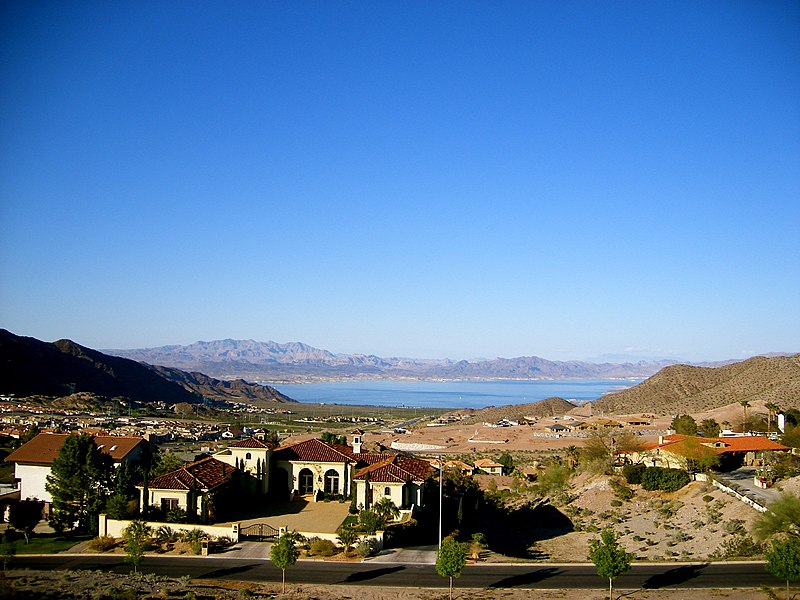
column 386, row 509
column 773, row 410
column 745, row 404
column 571, row 454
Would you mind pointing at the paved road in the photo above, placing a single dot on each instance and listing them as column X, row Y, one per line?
column 742, row 480
column 529, row 576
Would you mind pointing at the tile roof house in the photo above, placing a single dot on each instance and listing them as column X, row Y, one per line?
column 673, row 450
column 33, row 460
column 252, row 456
column 187, row 488
column 399, row 478
column 313, row 468
column 487, row 465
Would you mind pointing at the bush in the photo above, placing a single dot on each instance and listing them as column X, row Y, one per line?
column 193, row 535
column 707, row 498
column 176, row 515
column 616, row 503
column 321, row 547
column 367, row 547
column 667, row 480
column 622, row 491
column 739, row 546
column 633, row 473
column 104, row 543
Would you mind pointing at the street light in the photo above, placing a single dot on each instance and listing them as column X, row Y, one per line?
column 440, row 500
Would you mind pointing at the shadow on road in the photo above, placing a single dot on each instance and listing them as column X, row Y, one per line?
column 221, row 573
column 525, row 578
column 373, row 574
column 673, row 576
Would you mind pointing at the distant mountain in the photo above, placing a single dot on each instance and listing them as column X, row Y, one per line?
column 689, row 389
column 549, row 407
column 297, row 362
column 32, row 367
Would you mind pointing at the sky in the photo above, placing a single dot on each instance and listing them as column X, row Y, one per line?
column 423, row 179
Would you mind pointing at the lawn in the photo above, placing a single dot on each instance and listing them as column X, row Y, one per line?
column 46, row 544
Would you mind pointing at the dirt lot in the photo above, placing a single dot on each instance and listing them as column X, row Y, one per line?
column 64, row 585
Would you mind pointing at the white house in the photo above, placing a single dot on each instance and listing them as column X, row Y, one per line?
column 34, row 459
column 252, row 456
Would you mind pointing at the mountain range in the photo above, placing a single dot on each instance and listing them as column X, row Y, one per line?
column 297, row 362
column 30, row 367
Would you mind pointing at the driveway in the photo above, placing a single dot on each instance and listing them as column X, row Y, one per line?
column 421, row 555
column 741, row 480
column 305, row 517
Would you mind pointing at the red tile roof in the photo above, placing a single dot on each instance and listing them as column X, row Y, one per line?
column 315, row 451
column 396, row 469
column 723, row 445
column 206, row 473
column 44, row 448
column 252, row 443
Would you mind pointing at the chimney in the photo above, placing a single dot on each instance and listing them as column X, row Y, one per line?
column 357, row 441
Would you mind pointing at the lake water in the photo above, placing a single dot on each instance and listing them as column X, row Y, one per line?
column 447, row 394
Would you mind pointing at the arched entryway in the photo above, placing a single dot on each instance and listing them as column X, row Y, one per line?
column 305, row 482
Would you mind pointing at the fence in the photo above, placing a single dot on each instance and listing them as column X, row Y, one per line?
column 731, row 491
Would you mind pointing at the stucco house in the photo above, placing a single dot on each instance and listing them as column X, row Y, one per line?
column 674, row 450
column 399, row 478
column 187, row 488
column 487, row 465
column 311, row 468
column 34, row 459
column 252, row 456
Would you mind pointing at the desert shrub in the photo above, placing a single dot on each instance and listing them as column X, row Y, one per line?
column 733, row 526
column 367, row 547
column 739, row 546
column 479, row 538
column 321, row 547
column 616, row 503
column 554, row 479
column 165, row 534
column 104, row 543
column 707, row 498
column 176, row 515
column 369, row 521
column 633, row 473
column 622, row 491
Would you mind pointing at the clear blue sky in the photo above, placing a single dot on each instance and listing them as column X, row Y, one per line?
column 428, row 179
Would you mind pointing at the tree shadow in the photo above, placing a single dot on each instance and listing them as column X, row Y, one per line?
column 372, row 574
column 222, row 573
column 673, row 576
column 524, row 579
column 512, row 532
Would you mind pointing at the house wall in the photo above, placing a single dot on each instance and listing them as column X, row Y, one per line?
column 395, row 493
column 238, row 457
column 115, row 528
column 32, row 481
column 318, row 469
column 155, row 497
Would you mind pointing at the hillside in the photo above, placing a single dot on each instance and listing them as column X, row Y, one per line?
column 687, row 389
column 30, row 367
column 297, row 362
column 549, row 407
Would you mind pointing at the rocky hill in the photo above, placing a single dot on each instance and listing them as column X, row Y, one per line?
column 30, row 367
column 297, row 362
column 687, row 389
column 549, row 407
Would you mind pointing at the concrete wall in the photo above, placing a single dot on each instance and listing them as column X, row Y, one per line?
column 33, row 479
column 114, row 528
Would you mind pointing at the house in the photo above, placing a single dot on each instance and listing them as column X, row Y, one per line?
column 489, row 466
column 313, row 468
column 674, row 450
column 187, row 488
column 399, row 478
column 251, row 455
column 556, row 428
column 34, row 459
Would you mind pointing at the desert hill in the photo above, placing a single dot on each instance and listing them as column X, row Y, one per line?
column 549, row 407
column 30, row 367
column 687, row 389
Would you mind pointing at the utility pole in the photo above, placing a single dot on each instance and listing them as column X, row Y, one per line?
column 440, row 500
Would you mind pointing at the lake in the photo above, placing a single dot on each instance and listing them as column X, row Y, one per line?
column 448, row 394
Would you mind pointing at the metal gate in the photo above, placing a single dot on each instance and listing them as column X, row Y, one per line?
column 258, row 532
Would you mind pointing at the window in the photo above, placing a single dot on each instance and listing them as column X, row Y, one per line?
column 331, row 482
column 167, row 504
column 387, row 491
column 248, row 456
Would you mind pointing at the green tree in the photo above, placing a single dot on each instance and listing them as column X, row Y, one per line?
column 772, row 410
column 25, row 515
column 609, row 558
column 283, row 555
column 165, row 462
column 783, row 516
column 508, row 463
column 137, row 540
column 783, row 559
column 684, row 425
column 710, row 428
column 370, row 521
column 80, row 481
column 745, row 405
column 451, row 559
column 386, row 509
column 30, row 433
column 347, row 536
column 699, row 457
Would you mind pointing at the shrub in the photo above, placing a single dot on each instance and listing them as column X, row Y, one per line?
column 633, row 473
column 616, row 503
column 166, row 534
column 739, row 546
column 667, row 480
column 367, row 547
column 176, row 515
column 323, row 547
column 707, row 498
column 622, row 491
column 193, row 535
column 104, row 543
